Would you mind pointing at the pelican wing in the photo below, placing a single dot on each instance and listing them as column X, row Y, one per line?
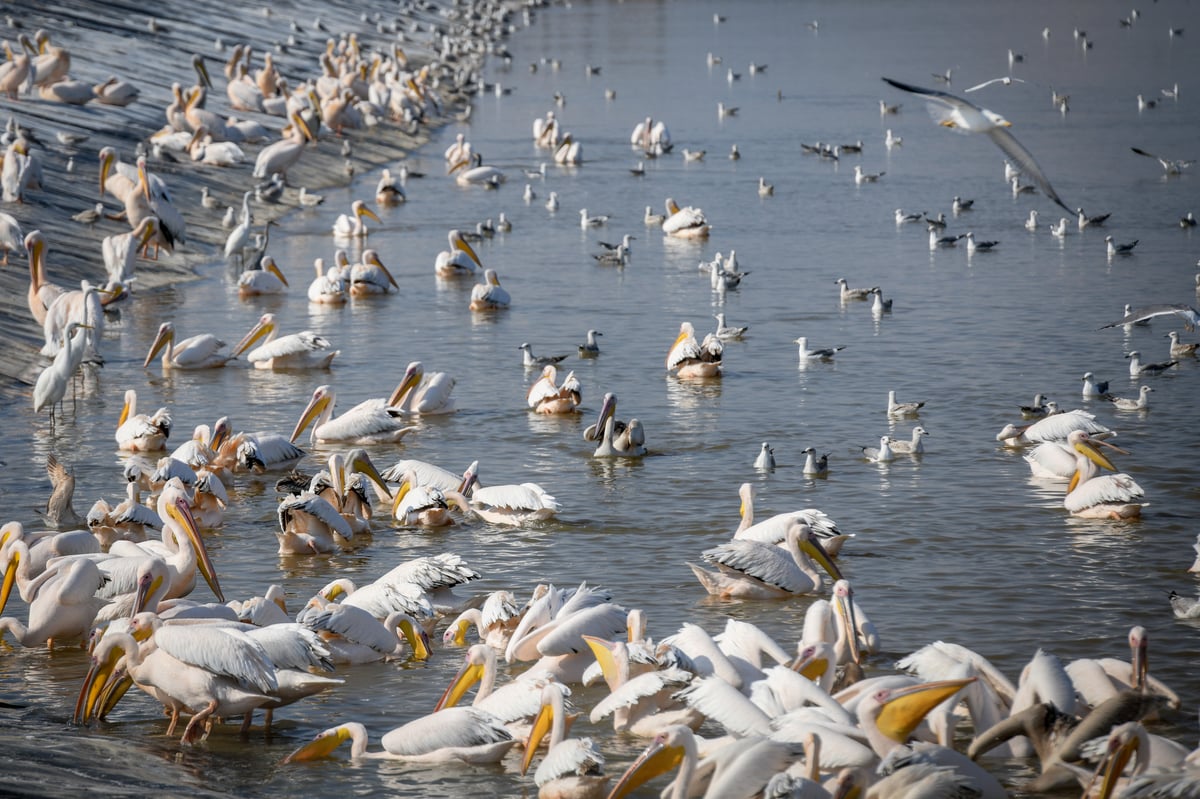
column 136, row 513
column 541, row 390
column 197, row 350
column 427, row 474
column 726, row 705
column 452, row 728
column 294, row 344
column 382, row 599
column 1026, row 162
column 275, row 449
column 317, row 507
column 1060, row 425
column 762, row 562
column 367, row 418
column 774, row 529
column 1103, row 489
column 432, row 572
column 605, row 621
column 355, row 625
column 433, row 393
column 684, row 218
column 220, row 650
column 526, row 496
column 574, row 756
column 685, row 348
column 640, row 687
column 292, row 646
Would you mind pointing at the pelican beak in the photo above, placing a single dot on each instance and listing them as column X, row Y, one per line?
column 263, row 328
column 274, row 269
column 106, row 166
column 456, row 633
column 682, row 335
column 461, row 244
column 361, row 463
column 321, row 746
column 201, row 67
column 814, row 550
column 124, row 414
column 409, row 381
column 418, row 639
column 459, row 165
column 143, row 179
column 165, row 334
column 305, row 130
column 811, row 666
column 1114, row 764
column 1094, row 455
column 182, row 514
column 906, row 707
column 145, row 590
column 845, row 609
column 10, row 577
column 467, row 676
column 470, row 479
column 93, row 686
column 541, row 726
column 365, row 211
column 401, row 493
column 220, row 434
column 603, row 652
column 659, row 758
column 1006, row 124
column 375, row 257
column 151, row 232
column 316, row 406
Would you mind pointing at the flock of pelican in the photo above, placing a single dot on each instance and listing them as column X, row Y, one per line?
column 799, row 718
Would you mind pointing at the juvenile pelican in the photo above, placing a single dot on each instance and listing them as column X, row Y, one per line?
column 351, row 226
column 489, row 295
column 458, row 261
column 195, row 352
column 691, row 358
column 303, row 350
column 372, row 421
column 546, row 396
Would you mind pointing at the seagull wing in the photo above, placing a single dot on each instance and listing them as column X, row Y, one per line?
column 1189, row 315
column 1025, row 161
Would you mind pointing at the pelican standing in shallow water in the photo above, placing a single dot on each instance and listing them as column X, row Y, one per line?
column 196, row 352
column 691, row 358
column 303, row 350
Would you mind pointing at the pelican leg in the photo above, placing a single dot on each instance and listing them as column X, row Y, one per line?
column 192, row 733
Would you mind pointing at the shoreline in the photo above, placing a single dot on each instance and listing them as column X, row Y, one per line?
column 155, row 60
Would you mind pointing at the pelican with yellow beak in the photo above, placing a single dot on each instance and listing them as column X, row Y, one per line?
column 1095, row 496
column 489, row 295
column 458, row 734
column 419, row 393
column 139, row 432
column 351, row 225
column 458, row 261
column 572, row 767
column 276, row 158
column 267, row 280
column 195, row 352
column 370, row 277
column 372, row 421
column 691, row 358
column 750, row 570
column 475, row 173
column 303, row 350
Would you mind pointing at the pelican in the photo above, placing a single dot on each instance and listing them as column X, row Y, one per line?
column 914, row 447
column 51, row 64
column 42, row 294
column 617, row 439
column 115, row 91
column 546, row 396
column 276, row 158
column 18, row 67
column 459, row 260
column 310, row 524
column 82, row 306
column 489, row 295
column 64, row 604
column 197, row 352
column 120, row 250
column 495, row 621
column 572, row 767
column 590, row 348
column 545, row 130
column 351, row 226
column 685, row 223
column 1094, row 496
column 474, row 173
column 11, row 237
column 568, row 152
column 651, row 136
column 422, row 505
column 752, row 570
column 691, row 358
column 388, row 191
column 355, row 636
column 143, row 194
column 511, row 505
column 371, row 421
column 370, row 277
column 267, row 280
column 137, row 432
column 458, row 151
column 962, row 116
column 419, row 393
column 457, row 734
column 303, row 350
column 328, row 287
column 1055, row 427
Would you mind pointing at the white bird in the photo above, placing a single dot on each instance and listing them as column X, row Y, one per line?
column 902, row 408
column 685, row 223
column 913, row 447
column 268, row 279
column 421, row 393
column 388, row 190
column 572, row 767
column 552, row 202
column 1096, row 496
column 1119, row 249
column 455, row 734
column 459, row 260
column 1005, row 81
column 765, row 462
column 1059, row 231
column 964, row 117
column 1188, row 314
column 1141, row 403
column 891, row 140
column 489, row 295
column 861, row 177
column 202, row 351
column 586, row 221
column 883, row 454
column 903, row 218
column 303, row 350
column 1180, row 349
column 546, row 396
column 691, row 358
column 750, row 569
column 1137, row 368
column 350, row 226
column 51, row 385
column 814, row 465
column 1031, row 224
column 765, row 189
column 726, row 332
column 822, row 354
column 1170, row 166
column 590, row 348
column 371, row 421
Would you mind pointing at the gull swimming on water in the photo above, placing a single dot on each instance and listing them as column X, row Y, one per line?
column 903, row 218
column 891, row 141
column 861, row 177
column 727, row 333
column 1031, row 224
column 983, row 246
column 1091, row 388
column 1169, row 166
column 766, row 458
column 1141, row 403
column 958, row 205
column 1119, row 249
column 1059, row 231
column 1137, row 368
column 815, row 466
column 936, row 241
column 1037, row 410
column 1091, row 221
column 825, row 354
column 902, row 408
column 1019, row 188
column 913, row 447
column 960, row 115
column 880, row 305
column 1180, row 349
column 848, row 293
column 590, row 348
column 883, row 454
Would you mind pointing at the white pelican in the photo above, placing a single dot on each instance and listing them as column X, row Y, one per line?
column 510, row 504
column 651, row 136
column 915, row 446
column 115, row 91
column 388, row 191
column 64, row 604
column 902, row 408
column 685, row 223
column 962, row 116
column 267, row 280
column 460, row 260
column 546, row 396
column 568, row 152
column 617, row 439
column 751, row 570
column 310, row 524
column 419, row 393
column 277, row 157
column 425, row 473
column 513, row 704
column 690, row 358
column 1055, row 427
column 1098, row 680
column 494, row 622
column 462, row 734
column 355, row 636
column 424, row 505
column 489, row 295
column 883, row 454
column 774, row 530
column 460, row 150
column 137, row 432
column 372, row 421
column 11, row 237
column 370, row 277
column 18, row 67
column 328, row 287
column 351, row 226
column 474, row 173
column 196, row 352
column 1094, row 496
column 551, row 631
column 1052, row 460
column 572, row 767
column 205, row 150
column 120, row 250
column 545, row 130
column 303, row 350
column 143, row 195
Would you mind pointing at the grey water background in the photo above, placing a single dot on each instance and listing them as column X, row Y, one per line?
column 960, row 544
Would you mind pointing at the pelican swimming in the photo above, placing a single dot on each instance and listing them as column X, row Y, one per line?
column 1095, row 496
column 419, row 393
column 475, row 173
column 616, row 439
column 685, row 223
column 138, row 432
column 328, row 287
column 370, row 277
column 196, row 352
column 546, row 396
column 752, row 570
column 691, row 358
column 572, row 767
column 421, row 505
column 267, row 280
column 651, row 136
column 489, row 295
column 310, row 524
column 303, row 350
column 511, row 505
column 1055, row 427
column 355, row 636
column 459, row 260
column 456, row 734
column 351, row 226
column 388, row 191
column 372, row 421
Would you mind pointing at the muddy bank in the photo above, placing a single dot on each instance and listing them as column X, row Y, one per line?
column 152, row 52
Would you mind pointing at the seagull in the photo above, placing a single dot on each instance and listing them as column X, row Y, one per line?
column 1119, row 249
column 624, row 242
column 1037, row 410
column 1006, row 81
column 1091, row 388
column 885, row 109
column 1090, row 221
column 891, row 141
column 943, row 77
column 538, row 361
column 1059, row 231
column 1184, row 608
column 1188, row 314
column 1172, row 93
column 815, row 466
column 1169, row 167
column 1180, row 349
column 766, row 458
column 1143, row 103
column 881, row 455
column 938, row 221
column 1141, row 403
column 1031, row 224
column 816, row 355
column 903, row 218
column 530, row 195
column 1143, row 323
column 1021, row 188
column 1137, row 368
column 958, row 114
column 552, row 202
column 765, row 189
column 734, row 153
column 727, row 333
column 880, row 305
column 639, row 170
column 936, row 241
column 959, row 205
column 693, row 155
column 1187, row 220
column 723, row 111
column 980, row 246
column 590, row 348
column 861, row 177
column 902, row 408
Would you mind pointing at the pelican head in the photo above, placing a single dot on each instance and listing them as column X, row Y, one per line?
column 475, row 665
column 898, row 711
column 174, row 501
column 664, row 753
column 325, row 743
column 372, row 257
column 360, row 210
column 165, row 338
column 265, row 327
column 201, row 68
column 108, row 159
column 321, row 404
column 412, row 379
column 457, row 242
column 357, row 460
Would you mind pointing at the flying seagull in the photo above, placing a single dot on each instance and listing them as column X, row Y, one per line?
column 964, row 117
column 1185, row 312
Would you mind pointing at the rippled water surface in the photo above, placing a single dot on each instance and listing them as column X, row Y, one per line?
column 960, row 544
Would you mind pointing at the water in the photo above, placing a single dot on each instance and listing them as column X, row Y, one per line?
column 960, row 545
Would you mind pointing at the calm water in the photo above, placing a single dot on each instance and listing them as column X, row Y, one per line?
column 960, row 545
